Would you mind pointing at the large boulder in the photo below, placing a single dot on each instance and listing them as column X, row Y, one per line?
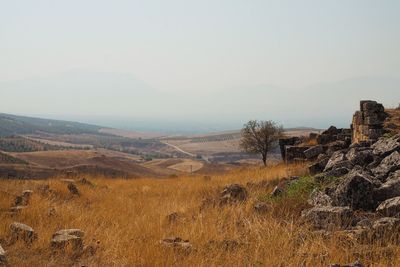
column 20, row 231
column 338, row 160
column 390, row 189
column 390, row 207
column 313, row 152
column 386, row 230
column 319, row 198
column 68, row 238
column 355, row 191
column 319, row 165
column 233, row 193
column 389, row 164
column 386, row 146
column 328, row 217
column 361, row 156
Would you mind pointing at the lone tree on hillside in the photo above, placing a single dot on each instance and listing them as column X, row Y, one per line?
column 260, row 137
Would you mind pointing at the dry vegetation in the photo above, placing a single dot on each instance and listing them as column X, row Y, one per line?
column 125, row 219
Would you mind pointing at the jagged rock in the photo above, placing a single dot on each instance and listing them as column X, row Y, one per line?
column 364, row 224
column 390, row 207
column 233, row 193
column 360, row 156
column 260, row 207
column 313, row 151
column 386, row 230
column 24, row 198
column 328, row 217
column 75, row 232
column 319, row 165
column 291, row 141
column 355, row 191
column 389, row 164
column 62, row 242
column 332, row 130
column 176, row 242
column 390, row 189
column 3, row 258
column 356, row 264
column 393, row 176
column 336, row 158
column 328, row 175
column 73, row 189
column 318, row 198
column 23, row 232
column 386, row 146
column 336, row 146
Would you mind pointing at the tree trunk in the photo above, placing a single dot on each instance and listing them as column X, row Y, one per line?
column 264, row 159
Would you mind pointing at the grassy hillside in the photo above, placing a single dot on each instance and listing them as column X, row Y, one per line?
column 124, row 220
column 12, row 124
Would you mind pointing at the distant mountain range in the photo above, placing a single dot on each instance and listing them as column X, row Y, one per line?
column 15, row 125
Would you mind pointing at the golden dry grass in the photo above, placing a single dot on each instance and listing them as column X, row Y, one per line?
column 125, row 219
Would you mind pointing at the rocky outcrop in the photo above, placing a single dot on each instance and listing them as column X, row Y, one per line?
column 20, row 231
column 68, row 238
column 367, row 123
column 233, row 193
column 328, row 217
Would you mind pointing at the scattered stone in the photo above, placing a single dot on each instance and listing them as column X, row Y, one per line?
column 318, row 198
column 24, row 198
column 23, row 232
column 73, row 189
column 75, row 232
column 328, row 217
column 355, row 191
column 313, row 152
column 386, row 230
column 390, row 189
column 176, row 242
column 233, row 193
column 386, row 146
column 360, row 156
column 390, row 207
column 389, row 164
column 260, row 207
column 356, row 264
column 62, row 242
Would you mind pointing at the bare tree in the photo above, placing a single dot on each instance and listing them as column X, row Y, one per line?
column 260, row 137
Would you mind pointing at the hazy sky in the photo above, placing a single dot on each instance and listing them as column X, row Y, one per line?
column 181, row 59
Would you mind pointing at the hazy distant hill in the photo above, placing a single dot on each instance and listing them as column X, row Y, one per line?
column 12, row 124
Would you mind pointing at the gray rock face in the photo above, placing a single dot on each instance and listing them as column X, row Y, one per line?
column 390, row 207
column 386, row 146
column 389, row 164
column 328, row 217
column 75, row 232
column 319, row 198
column 360, row 156
column 62, row 242
column 355, row 191
column 233, row 193
column 20, row 231
column 386, row 230
column 313, row 152
column 68, row 238
column 390, row 189
column 336, row 158
column 319, row 165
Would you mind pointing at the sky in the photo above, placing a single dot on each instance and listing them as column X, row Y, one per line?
column 198, row 64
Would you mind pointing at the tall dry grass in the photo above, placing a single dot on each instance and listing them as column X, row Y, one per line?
column 125, row 219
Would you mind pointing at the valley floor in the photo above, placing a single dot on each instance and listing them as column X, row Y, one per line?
column 124, row 221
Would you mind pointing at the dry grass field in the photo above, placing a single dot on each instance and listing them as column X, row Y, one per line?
column 124, row 220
